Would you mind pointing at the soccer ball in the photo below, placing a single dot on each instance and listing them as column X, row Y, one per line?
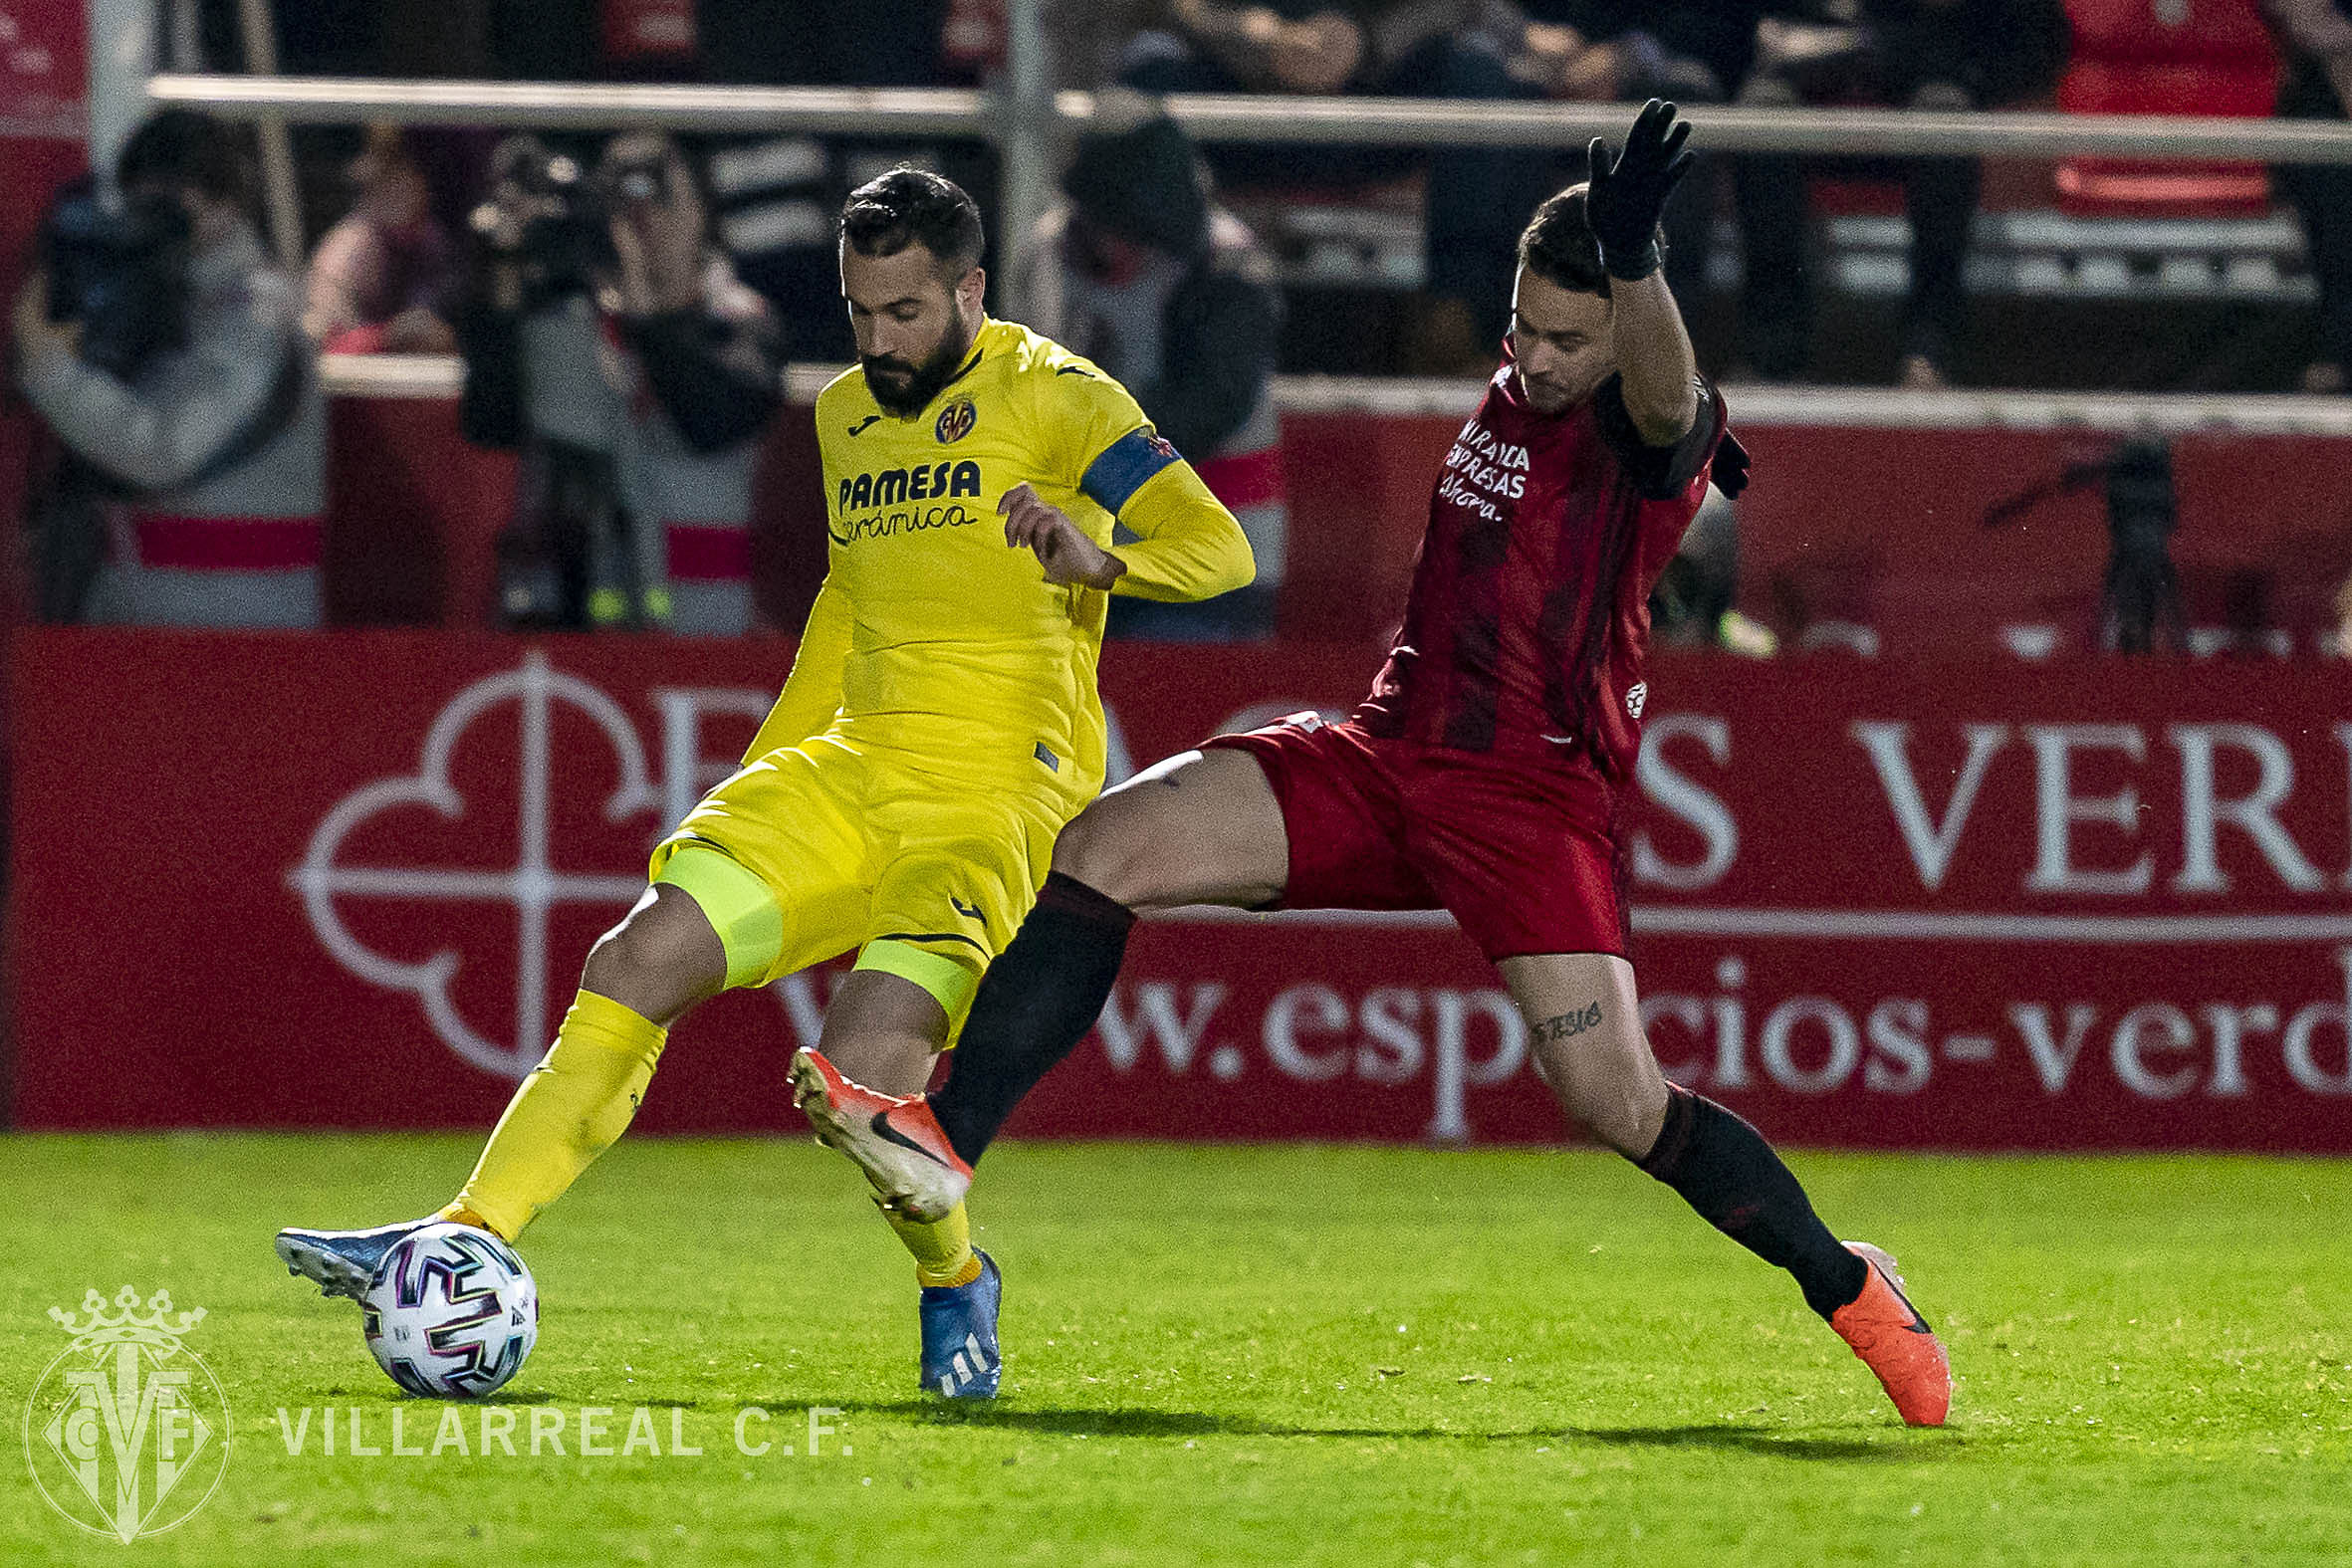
column 452, row 1313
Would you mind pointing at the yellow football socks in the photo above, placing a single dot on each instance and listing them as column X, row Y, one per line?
column 576, row 1102
column 942, row 1247
column 580, row 1098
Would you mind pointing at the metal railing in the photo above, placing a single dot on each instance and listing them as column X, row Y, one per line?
column 1235, row 116
column 882, row 111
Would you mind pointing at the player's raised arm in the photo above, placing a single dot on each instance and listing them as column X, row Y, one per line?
column 1623, row 203
column 812, row 691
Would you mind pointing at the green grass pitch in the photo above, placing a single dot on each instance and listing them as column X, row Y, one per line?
column 1282, row 1355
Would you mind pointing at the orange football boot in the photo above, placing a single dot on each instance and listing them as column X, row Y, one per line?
column 1895, row 1342
column 894, row 1140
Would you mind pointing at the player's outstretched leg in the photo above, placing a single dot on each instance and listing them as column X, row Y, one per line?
column 884, row 1026
column 1203, row 827
column 1589, row 1047
column 1035, row 1003
column 659, row 961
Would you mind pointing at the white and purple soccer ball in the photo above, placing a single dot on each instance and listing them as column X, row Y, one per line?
column 452, row 1313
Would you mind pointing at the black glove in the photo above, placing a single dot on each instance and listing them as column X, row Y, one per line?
column 1626, row 198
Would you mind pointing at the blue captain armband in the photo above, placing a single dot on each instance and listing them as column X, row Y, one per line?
column 1124, row 467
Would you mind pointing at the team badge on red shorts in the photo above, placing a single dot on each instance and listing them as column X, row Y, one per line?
column 956, row 421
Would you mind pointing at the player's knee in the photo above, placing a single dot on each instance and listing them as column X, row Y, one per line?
column 617, row 965
column 1613, row 1127
column 1618, row 1111
column 659, row 960
column 1091, row 850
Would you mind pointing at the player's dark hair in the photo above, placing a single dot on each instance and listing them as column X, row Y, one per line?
column 912, row 206
column 1557, row 245
column 181, row 148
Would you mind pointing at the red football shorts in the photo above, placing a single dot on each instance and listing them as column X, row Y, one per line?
column 1520, row 851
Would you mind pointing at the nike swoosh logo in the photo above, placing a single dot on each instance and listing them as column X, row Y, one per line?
column 1918, row 1325
column 859, row 427
column 888, row 1134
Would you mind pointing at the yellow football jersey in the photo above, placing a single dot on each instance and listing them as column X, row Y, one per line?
column 931, row 637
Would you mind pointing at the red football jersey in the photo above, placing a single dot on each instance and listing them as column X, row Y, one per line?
column 1541, row 524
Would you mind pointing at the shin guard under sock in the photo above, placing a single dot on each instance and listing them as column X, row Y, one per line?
column 570, row 1109
column 942, row 1248
column 1037, row 1001
column 1724, row 1169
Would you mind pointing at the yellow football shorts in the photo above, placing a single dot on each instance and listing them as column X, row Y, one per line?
column 820, row 847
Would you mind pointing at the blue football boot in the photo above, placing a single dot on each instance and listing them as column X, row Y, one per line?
column 341, row 1263
column 960, row 1356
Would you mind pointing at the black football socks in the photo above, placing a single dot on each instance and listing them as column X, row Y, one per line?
column 1037, row 1001
column 1724, row 1169
column 1046, row 989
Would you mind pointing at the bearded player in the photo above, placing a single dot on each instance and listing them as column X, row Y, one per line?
column 939, row 728
column 1483, row 775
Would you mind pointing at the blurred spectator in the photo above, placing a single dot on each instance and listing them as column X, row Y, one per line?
column 1620, row 51
column 1690, row 605
column 776, row 197
column 1088, row 37
column 382, row 279
column 165, row 352
column 1616, row 50
column 2315, row 36
column 1477, row 197
column 1142, row 273
column 608, row 339
column 1917, row 54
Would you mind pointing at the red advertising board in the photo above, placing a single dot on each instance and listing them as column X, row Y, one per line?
column 1849, row 532
column 347, row 880
column 1881, row 532
column 42, row 74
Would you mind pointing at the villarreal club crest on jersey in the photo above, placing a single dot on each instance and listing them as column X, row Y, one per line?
column 955, row 421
